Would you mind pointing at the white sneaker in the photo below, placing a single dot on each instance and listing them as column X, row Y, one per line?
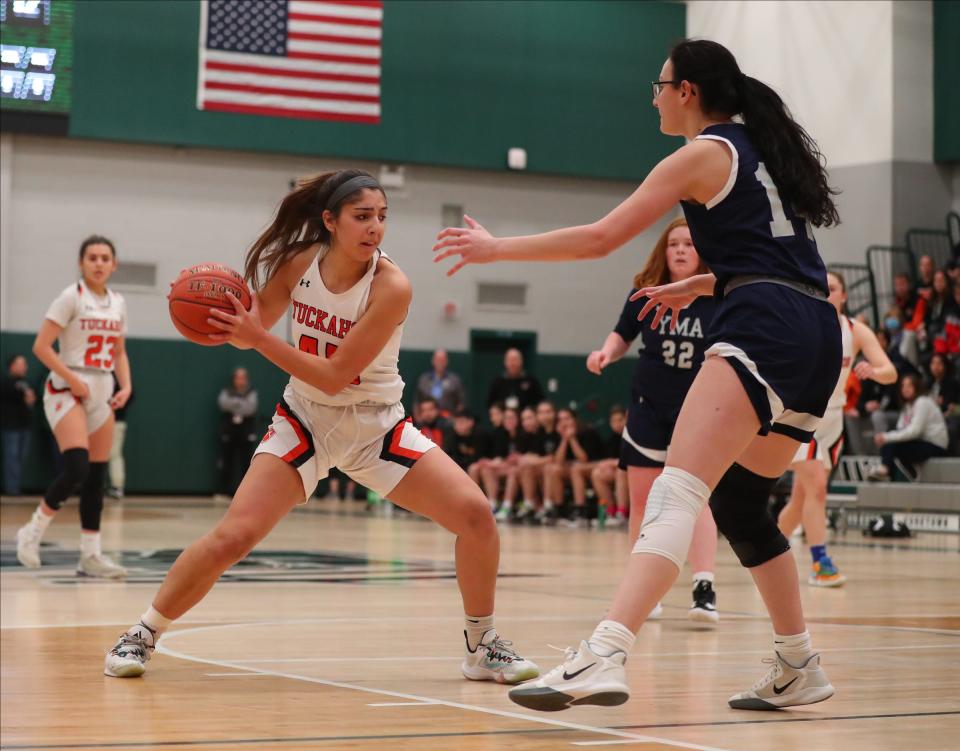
column 28, row 546
column 656, row 612
column 786, row 686
column 577, row 522
column 496, row 660
column 129, row 656
column 503, row 513
column 99, row 567
column 584, row 677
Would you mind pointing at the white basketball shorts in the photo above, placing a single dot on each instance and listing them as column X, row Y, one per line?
column 827, row 443
column 373, row 444
column 58, row 400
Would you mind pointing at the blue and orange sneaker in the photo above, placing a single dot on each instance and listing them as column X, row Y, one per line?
column 826, row 574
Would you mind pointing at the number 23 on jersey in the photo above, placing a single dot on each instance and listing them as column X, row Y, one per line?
column 95, row 356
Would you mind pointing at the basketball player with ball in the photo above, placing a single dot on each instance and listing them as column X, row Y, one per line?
column 90, row 322
column 341, row 408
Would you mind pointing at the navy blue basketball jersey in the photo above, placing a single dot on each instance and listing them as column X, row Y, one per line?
column 669, row 360
column 748, row 228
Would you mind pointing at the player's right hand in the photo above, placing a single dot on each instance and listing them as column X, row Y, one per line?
column 597, row 361
column 78, row 387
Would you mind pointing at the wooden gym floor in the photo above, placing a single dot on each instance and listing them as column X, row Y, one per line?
column 343, row 631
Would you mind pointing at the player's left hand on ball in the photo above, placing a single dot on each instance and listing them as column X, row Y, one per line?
column 243, row 328
column 472, row 243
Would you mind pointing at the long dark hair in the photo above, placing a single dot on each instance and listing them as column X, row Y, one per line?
column 298, row 223
column 791, row 156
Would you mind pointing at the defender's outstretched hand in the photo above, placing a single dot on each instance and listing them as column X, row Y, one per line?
column 472, row 243
column 672, row 297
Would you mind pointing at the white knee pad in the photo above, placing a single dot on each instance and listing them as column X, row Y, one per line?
column 675, row 501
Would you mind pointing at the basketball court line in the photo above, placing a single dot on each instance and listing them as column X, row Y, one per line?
column 466, row 734
column 163, row 649
column 738, row 618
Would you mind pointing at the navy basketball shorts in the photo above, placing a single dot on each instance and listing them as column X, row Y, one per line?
column 785, row 347
column 647, row 434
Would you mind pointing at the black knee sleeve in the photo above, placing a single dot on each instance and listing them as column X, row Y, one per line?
column 76, row 464
column 91, row 497
column 740, row 505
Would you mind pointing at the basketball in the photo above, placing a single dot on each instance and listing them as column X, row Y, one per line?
column 197, row 290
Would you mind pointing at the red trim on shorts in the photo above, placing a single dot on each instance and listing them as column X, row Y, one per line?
column 835, row 451
column 812, row 449
column 303, row 446
column 396, row 448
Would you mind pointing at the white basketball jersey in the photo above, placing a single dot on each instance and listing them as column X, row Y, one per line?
column 91, row 326
column 321, row 320
column 839, row 396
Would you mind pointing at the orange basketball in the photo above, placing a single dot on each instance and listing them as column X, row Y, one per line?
column 196, row 291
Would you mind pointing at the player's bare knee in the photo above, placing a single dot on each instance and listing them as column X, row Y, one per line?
column 231, row 542
column 740, row 505
column 476, row 521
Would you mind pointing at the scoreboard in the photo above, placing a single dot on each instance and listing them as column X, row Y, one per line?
column 36, row 55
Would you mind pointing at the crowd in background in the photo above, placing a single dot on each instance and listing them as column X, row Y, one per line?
column 529, row 454
column 919, row 416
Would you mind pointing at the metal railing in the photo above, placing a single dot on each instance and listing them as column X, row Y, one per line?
column 930, row 242
column 953, row 228
column 884, row 262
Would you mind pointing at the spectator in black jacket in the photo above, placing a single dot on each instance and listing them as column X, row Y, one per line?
column 945, row 391
column 17, row 407
column 608, row 480
column 238, row 437
column 467, row 443
column 579, row 445
column 515, row 388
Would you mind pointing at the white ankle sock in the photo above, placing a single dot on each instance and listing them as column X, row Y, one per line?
column 155, row 622
column 40, row 520
column 609, row 637
column 703, row 576
column 89, row 544
column 475, row 628
column 795, row 649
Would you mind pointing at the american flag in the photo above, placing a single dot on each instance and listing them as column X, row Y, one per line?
column 315, row 59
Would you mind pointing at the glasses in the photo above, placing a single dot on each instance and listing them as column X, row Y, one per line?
column 658, row 86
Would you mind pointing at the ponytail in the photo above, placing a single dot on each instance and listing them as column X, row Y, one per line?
column 299, row 220
column 790, row 155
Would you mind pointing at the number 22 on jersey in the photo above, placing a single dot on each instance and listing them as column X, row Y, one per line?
column 311, row 346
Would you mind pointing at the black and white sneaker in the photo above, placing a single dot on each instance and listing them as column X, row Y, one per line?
column 704, row 608
column 584, row 677
column 786, row 686
column 129, row 656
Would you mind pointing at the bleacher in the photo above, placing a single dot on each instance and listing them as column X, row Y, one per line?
column 932, row 502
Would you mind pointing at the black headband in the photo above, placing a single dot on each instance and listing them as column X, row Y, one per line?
column 352, row 186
